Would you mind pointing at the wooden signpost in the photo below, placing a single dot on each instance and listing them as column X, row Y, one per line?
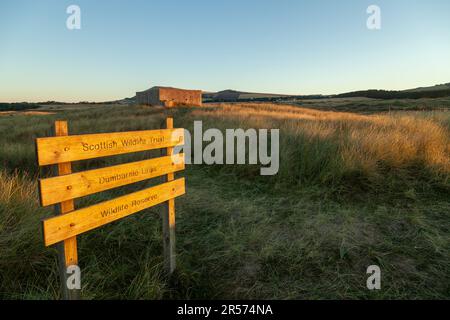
column 66, row 186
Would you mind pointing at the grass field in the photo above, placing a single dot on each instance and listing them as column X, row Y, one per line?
column 370, row 106
column 353, row 189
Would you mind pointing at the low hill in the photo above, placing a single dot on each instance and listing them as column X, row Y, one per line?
column 233, row 95
column 384, row 94
column 229, row 95
column 437, row 87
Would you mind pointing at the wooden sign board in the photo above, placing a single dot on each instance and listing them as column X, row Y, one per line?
column 55, row 150
column 62, row 189
column 65, row 226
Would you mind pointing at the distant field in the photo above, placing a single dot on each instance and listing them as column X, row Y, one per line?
column 367, row 105
column 258, row 95
column 359, row 187
column 27, row 113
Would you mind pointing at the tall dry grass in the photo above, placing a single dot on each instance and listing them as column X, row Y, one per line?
column 363, row 141
column 352, row 190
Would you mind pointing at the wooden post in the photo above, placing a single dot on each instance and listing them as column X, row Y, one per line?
column 168, row 217
column 67, row 250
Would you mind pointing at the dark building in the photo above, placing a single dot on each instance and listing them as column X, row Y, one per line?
column 169, row 97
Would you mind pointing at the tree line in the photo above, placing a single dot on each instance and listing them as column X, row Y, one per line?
column 17, row 106
column 384, row 94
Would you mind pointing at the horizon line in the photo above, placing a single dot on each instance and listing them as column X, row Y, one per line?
column 237, row 90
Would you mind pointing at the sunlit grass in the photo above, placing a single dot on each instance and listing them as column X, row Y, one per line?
column 352, row 190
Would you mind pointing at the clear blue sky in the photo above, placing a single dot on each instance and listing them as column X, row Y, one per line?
column 280, row 46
